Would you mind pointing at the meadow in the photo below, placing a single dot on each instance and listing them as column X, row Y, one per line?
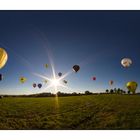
column 87, row 112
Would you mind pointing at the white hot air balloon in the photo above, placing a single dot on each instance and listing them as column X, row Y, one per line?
column 126, row 62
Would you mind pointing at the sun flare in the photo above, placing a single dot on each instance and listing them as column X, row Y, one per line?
column 55, row 82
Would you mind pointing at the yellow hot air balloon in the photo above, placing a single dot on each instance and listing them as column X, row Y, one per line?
column 46, row 65
column 3, row 57
column 132, row 86
column 22, row 79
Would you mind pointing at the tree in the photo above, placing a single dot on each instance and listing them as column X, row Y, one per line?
column 87, row 92
column 74, row 93
column 128, row 92
column 115, row 90
column 118, row 90
column 107, row 91
column 124, row 91
column 111, row 91
column 1, row 97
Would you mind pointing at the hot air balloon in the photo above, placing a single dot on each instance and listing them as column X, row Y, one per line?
column 111, row 82
column 22, row 79
column 93, row 78
column 1, row 77
column 34, row 85
column 126, row 62
column 132, row 86
column 45, row 81
column 76, row 68
column 46, row 65
column 39, row 85
column 65, row 81
column 3, row 57
column 59, row 74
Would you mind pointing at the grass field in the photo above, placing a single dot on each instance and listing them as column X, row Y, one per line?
column 74, row 112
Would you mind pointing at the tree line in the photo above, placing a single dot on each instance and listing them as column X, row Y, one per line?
column 61, row 94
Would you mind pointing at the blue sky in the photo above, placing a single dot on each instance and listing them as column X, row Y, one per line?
column 95, row 40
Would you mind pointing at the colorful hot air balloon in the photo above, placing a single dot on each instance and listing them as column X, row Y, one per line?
column 39, row 85
column 132, row 86
column 1, row 77
column 34, row 85
column 59, row 74
column 126, row 62
column 111, row 82
column 22, row 79
column 3, row 57
column 46, row 65
column 93, row 78
column 76, row 68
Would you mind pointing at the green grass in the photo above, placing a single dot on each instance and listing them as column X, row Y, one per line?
column 74, row 112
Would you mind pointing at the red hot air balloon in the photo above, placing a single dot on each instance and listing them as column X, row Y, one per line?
column 94, row 78
column 76, row 68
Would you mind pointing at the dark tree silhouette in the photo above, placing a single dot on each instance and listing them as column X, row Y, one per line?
column 88, row 93
column 107, row 91
column 111, row 91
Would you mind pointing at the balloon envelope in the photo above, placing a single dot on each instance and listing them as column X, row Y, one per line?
column 22, row 79
column 94, row 78
column 1, row 77
column 39, row 85
column 60, row 74
column 34, row 85
column 126, row 62
column 65, row 81
column 46, row 65
column 132, row 86
column 76, row 68
column 111, row 82
column 3, row 57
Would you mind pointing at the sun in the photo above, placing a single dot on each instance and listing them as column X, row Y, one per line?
column 55, row 82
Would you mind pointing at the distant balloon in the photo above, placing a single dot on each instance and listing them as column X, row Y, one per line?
column 45, row 81
column 3, row 57
column 1, row 77
column 22, row 79
column 65, row 81
column 76, row 68
column 39, row 85
column 111, row 82
column 126, row 62
column 93, row 78
column 34, row 85
column 59, row 74
column 46, row 65
column 132, row 86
